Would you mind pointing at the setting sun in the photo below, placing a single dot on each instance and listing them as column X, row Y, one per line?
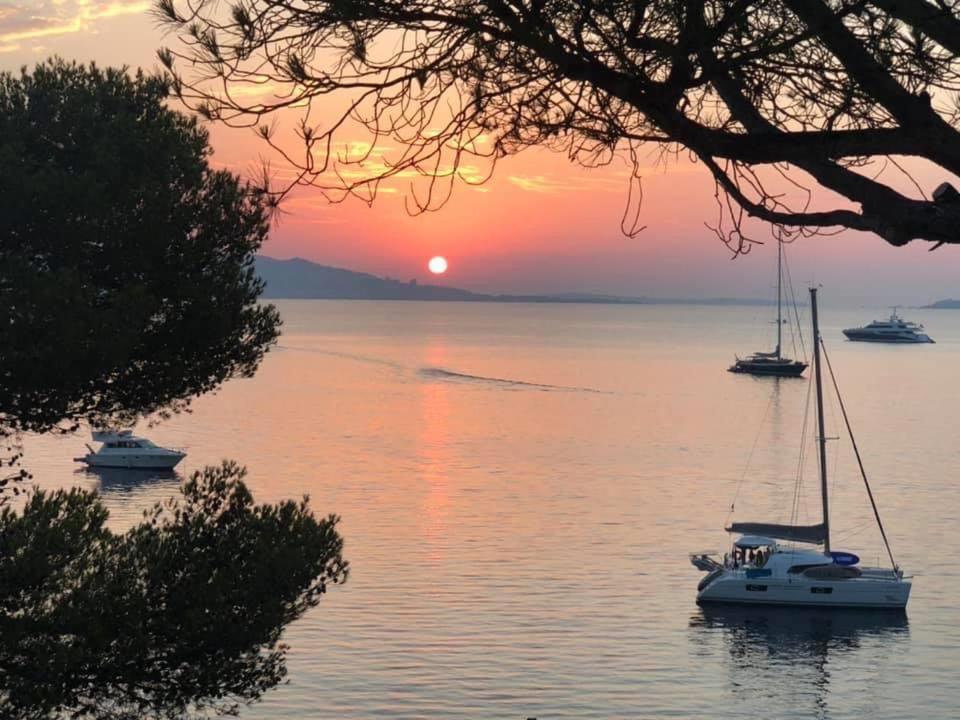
column 437, row 265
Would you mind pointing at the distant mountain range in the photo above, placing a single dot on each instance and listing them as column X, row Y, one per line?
column 298, row 278
column 301, row 279
column 943, row 305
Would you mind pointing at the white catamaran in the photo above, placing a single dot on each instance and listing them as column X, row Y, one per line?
column 773, row 564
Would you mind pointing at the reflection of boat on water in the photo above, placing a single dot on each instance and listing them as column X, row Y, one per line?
column 762, row 570
column 791, row 657
column 122, row 449
column 774, row 629
column 121, row 479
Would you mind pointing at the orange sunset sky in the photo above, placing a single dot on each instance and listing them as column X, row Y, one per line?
column 540, row 225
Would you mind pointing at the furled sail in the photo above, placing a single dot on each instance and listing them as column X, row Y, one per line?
column 799, row 533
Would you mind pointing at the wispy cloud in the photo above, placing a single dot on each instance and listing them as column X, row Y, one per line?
column 22, row 20
column 600, row 182
column 541, row 184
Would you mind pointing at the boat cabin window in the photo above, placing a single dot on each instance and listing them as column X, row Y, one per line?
column 796, row 569
column 123, row 444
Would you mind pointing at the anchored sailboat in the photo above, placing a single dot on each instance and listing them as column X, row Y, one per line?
column 772, row 363
column 761, row 569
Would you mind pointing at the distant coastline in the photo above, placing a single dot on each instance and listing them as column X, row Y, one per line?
column 942, row 305
column 299, row 279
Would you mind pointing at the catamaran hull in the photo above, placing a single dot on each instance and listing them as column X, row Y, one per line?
column 737, row 589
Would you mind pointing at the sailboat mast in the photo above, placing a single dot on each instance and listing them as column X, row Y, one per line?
column 779, row 279
column 822, row 434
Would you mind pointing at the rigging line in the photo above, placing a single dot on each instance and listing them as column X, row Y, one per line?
column 854, row 531
column 796, row 313
column 784, row 270
column 856, row 452
column 795, row 505
column 746, row 468
column 795, row 500
column 832, row 488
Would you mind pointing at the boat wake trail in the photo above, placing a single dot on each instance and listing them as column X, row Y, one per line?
column 440, row 374
column 434, row 373
column 346, row 356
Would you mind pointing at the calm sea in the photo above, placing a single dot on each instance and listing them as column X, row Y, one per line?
column 520, row 487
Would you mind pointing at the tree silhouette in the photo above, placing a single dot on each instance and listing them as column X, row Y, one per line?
column 127, row 283
column 126, row 288
column 769, row 95
column 178, row 617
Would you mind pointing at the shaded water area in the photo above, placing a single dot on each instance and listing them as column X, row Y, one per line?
column 520, row 486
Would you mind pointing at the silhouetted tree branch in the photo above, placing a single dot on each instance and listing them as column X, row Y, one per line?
column 768, row 94
column 11, row 451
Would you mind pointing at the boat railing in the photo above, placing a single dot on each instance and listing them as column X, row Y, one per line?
column 175, row 448
column 880, row 573
column 704, row 561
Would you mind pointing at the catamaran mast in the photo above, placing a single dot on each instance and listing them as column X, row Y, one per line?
column 822, row 434
column 779, row 278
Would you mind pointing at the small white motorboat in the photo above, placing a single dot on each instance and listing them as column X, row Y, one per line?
column 122, row 449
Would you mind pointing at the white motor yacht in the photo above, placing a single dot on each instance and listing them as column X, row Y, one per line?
column 893, row 330
column 761, row 571
column 122, row 449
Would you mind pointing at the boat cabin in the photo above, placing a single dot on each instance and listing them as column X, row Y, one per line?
column 132, row 443
column 751, row 551
column 755, row 552
column 121, row 440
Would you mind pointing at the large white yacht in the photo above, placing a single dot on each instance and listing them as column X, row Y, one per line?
column 893, row 330
column 122, row 449
column 760, row 570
